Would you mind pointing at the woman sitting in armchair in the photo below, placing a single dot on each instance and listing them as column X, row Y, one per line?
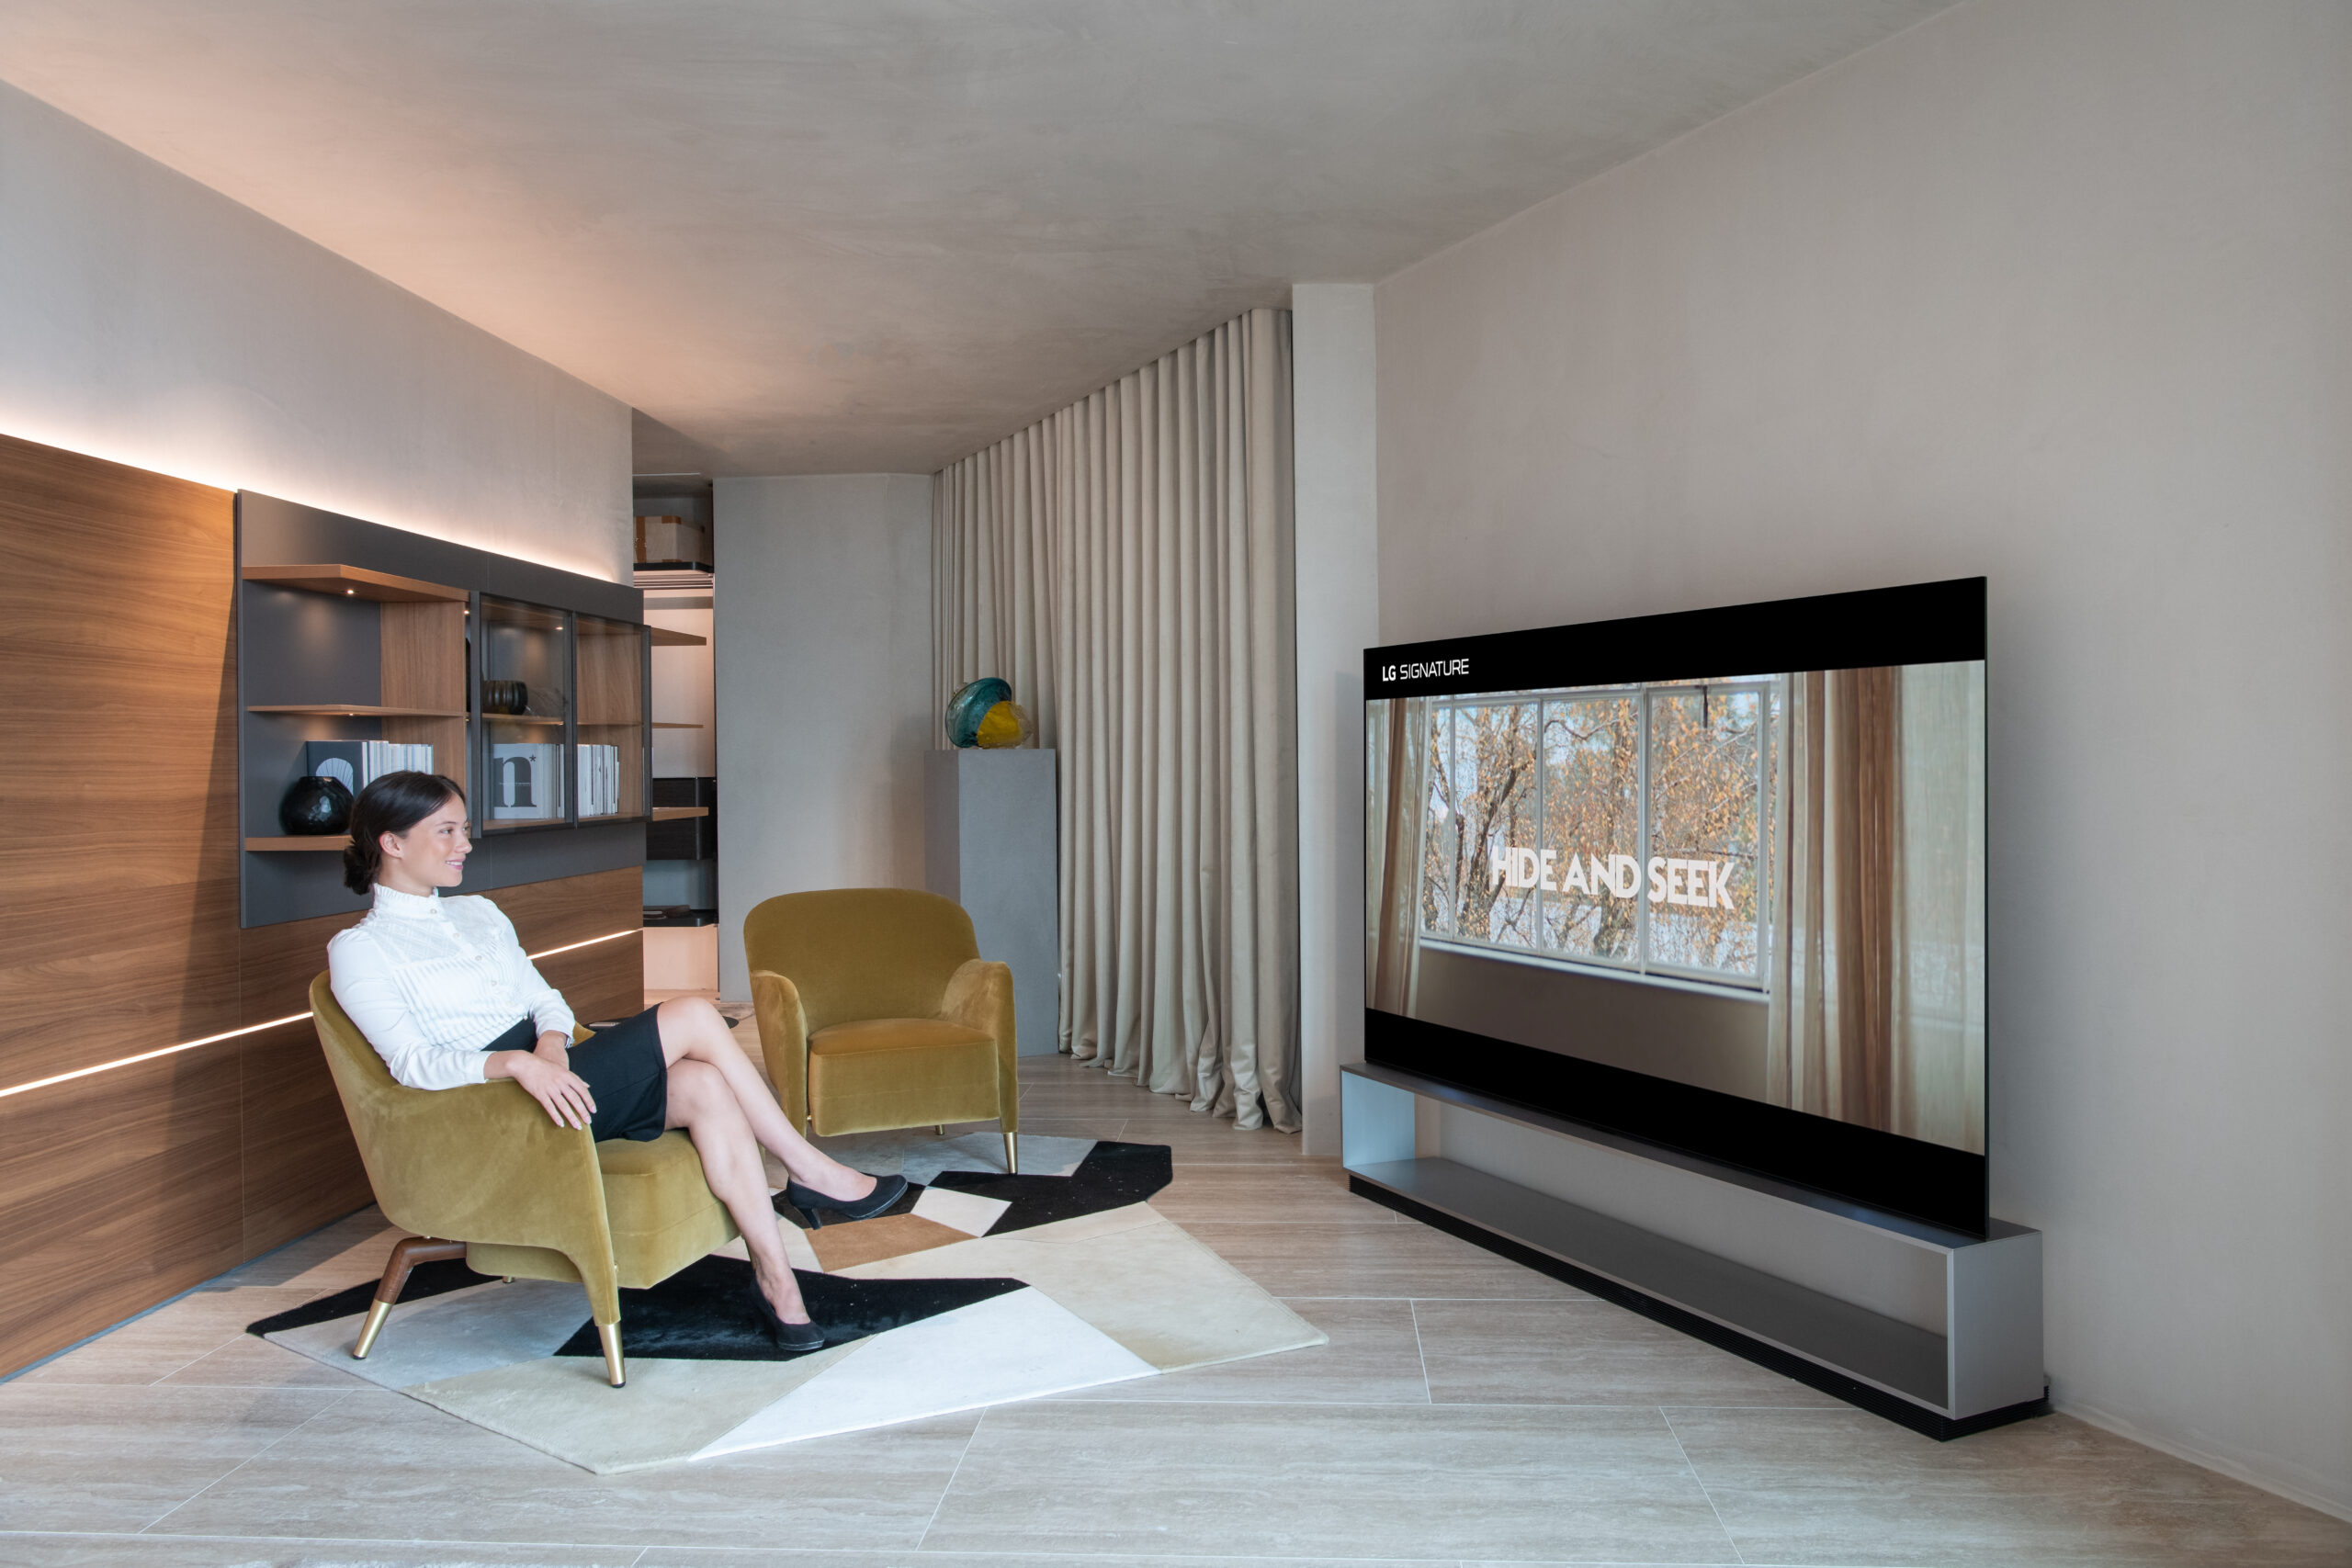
column 445, row 993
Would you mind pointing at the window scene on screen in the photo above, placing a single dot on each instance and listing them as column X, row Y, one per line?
column 1770, row 886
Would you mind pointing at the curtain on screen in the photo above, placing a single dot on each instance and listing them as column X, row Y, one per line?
column 1125, row 563
column 1877, row 974
column 1396, row 794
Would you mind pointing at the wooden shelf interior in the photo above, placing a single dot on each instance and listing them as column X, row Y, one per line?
column 356, row 583
column 419, row 675
column 679, row 813
column 665, row 637
column 357, row 710
column 424, row 665
column 674, row 724
column 525, row 643
column 610, row 658
column 423, row 698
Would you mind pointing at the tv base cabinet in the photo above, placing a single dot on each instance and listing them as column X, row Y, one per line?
column 1983, row 1369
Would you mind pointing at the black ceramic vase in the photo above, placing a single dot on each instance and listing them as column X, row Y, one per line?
column 315, row 805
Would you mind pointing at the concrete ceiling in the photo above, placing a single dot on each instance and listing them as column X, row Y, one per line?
column 810, row 236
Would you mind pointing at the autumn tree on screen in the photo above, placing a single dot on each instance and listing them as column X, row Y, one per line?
column 1559, row 781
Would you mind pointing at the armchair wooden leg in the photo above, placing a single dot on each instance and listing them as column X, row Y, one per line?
column 407, row 1253
column 615, row 1372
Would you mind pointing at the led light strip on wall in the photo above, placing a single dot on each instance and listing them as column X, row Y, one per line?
column 251, row 1029
column 576, row 946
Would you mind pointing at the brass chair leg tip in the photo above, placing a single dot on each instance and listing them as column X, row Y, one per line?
column 377, row 1313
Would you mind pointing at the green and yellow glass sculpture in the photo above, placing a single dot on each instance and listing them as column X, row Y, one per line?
column 973, row 719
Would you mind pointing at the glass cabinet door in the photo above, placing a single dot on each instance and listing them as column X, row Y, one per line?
column 611, row 761
column 525, row 700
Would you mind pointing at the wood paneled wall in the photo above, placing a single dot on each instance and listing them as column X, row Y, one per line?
column 118, row 920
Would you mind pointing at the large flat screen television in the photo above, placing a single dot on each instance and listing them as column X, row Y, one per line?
column 1711, row 881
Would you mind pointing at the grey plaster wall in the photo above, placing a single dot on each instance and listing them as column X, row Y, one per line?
column 151, row 320
column 822, row 636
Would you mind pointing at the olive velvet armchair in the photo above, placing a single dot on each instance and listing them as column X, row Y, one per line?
column 483, row 1172
column 877, row 1011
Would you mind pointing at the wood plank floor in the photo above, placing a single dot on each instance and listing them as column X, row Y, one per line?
column 1466, row 1411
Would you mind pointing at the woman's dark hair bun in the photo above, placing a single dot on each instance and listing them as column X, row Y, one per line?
column 392, row 803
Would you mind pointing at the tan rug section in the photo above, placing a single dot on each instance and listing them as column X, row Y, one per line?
column 864, row 1241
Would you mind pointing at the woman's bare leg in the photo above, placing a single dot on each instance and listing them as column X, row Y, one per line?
column 703, row 1104
column 693, row 1031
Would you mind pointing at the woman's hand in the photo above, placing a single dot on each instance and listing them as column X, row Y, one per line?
column 556, row 1087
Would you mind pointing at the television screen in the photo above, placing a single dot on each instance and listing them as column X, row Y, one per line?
column 1714, row 881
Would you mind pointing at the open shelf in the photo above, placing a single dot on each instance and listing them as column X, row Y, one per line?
column 521, row 718
column 678, row 813
column 356, row 583
column 665, row 637
column 338, row 842
column 673, row 723
column 355, row 710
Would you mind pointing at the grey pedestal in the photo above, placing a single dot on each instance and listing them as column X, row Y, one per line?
column 990, row 843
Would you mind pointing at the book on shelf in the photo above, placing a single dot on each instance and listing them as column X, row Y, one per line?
column 356, row 764
column 526, row 781
column 600, row 780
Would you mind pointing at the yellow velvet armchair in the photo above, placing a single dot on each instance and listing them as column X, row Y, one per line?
column 483, row 1172
column 877, row 1011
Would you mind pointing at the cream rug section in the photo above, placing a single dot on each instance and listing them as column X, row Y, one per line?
column 564, row 1406
column 1132, row 1274
column 476, row 1329
column 1120, row 1295
column 1020, row 1346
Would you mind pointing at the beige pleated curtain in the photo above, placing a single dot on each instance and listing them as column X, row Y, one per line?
column 1126, row 565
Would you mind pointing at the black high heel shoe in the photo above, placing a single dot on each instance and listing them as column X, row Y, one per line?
column 794, row 1337
column 888, row 1190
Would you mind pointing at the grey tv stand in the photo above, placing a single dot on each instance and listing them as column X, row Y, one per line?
column 1983, row 1371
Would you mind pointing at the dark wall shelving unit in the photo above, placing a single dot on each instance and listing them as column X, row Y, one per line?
column 349, row 630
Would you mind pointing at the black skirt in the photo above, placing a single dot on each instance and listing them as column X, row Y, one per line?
column 623, row 1069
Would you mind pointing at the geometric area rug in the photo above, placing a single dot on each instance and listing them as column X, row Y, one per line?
column 977, row 1287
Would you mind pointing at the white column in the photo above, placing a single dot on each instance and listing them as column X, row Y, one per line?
column 1339, row 616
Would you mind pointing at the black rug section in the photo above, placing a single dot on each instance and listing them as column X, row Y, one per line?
column 697, row 1306
column 703, row 1312
column 1111, row 1177
column 426, row 1280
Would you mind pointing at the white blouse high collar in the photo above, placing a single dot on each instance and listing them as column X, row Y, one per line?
column 391, row 900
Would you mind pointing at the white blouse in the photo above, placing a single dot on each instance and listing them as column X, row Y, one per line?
column 431, row 981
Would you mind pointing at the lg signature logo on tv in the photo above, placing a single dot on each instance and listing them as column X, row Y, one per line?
column 1693, row 883
column 1424, row 671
